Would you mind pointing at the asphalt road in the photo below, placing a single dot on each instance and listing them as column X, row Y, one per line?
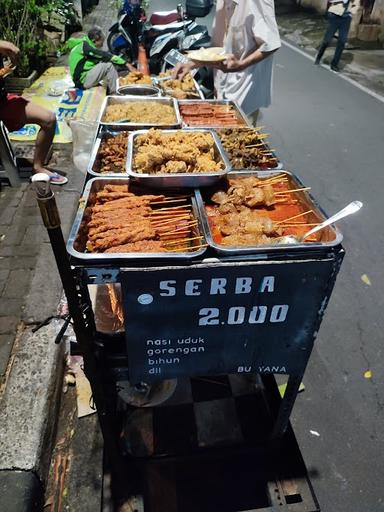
column 331, row 134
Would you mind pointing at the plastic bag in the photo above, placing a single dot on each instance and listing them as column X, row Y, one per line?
column 83, row 136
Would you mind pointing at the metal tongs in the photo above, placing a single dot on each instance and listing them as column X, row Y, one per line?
column 348, row 210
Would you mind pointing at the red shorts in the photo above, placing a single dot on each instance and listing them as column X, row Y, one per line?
column 12, row 112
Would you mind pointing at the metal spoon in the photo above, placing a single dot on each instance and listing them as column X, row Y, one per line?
column 348, row 210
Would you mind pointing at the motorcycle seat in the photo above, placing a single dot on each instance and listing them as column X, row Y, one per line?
column 164, row 17
column 171, row 27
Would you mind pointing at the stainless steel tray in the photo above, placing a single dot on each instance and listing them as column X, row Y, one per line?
column 93, row 166
column 77, row 237
column 197, row 179
column 331, row 236
column 113, row 100
column 278, row 167
column 139, row 90
column 199, row 92
column 240, row 114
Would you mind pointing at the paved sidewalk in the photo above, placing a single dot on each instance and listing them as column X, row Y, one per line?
column 31, row 365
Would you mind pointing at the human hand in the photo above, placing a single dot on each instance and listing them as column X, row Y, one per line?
column 180, row 70
column 9, row 50
column 130, row 67
column 230, row 64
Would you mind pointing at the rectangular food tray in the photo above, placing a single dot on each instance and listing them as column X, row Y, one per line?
column 240, row 114
column 77, row 237
column 198, row 179
column 266, row 147
column 331, row 236
column 93, row 162
column 113, row 100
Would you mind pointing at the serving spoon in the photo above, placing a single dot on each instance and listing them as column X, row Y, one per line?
column 348, row 210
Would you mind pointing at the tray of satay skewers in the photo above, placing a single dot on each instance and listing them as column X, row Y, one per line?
column 109, row 154
column 120, row 220
column 132, row 112
column 254, row 212
column 176, row 158
column 211, row 114
column 247, row 148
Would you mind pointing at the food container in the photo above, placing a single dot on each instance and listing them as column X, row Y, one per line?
column 76, row 244
column 196, row 95
column 166, row 180
column 329, row 237
column 264, row 147
column 94, row 162
column 139, row 90
column 113, row 100
column 243, row 119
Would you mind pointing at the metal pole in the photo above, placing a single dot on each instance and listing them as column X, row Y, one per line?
column 83, row 331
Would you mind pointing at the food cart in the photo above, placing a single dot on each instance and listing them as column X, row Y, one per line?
column 206, row 323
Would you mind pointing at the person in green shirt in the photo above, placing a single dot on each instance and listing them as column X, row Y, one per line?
column 89, row 65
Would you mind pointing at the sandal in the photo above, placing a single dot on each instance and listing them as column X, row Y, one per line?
column 57, row 179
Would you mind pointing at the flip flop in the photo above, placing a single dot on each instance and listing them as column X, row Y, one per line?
column 56, row 179
column 58, row 171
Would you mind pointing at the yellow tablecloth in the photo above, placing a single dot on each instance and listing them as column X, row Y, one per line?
column 55, row 91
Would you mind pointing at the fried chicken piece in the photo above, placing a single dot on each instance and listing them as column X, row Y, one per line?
column 204, row 163
column 172, row 167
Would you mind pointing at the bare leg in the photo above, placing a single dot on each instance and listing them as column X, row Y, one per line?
column 47, row 122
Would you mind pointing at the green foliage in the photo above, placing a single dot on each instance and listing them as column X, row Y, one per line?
column 22, row 22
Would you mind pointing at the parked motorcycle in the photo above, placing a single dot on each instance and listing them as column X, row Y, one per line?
column 164, row 31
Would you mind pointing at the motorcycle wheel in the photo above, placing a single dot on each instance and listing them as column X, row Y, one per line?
column 124, row 51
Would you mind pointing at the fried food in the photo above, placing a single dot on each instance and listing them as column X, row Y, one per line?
column 112, row 154
column 141, row 111
column 158, row 152
column 180, row 89
column 135, row 77
column 245, row 148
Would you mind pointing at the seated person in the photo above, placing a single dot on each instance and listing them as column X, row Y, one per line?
column 89, row 65
column 16, row 111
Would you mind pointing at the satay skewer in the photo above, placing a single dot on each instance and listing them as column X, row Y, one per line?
column 294, row 217
column 163, row 210
column 283, row 192
column 190, row 248
column 182, row 240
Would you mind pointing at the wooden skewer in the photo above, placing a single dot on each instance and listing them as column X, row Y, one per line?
column 294, row 190
column 170, row 221
column 179, row 230
column 184, row 240
column 168, row 201
column 298, row 225
column 190, row 248
column 294, row 217
column 164, row 210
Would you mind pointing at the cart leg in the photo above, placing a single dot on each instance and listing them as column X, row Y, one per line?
column 286, row 406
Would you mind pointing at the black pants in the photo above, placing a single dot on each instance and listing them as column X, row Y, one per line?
column 338, row 24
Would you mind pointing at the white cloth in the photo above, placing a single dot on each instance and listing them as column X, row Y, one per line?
column 243, row 26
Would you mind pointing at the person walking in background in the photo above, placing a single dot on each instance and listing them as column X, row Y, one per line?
column 89, row 65
column 339, row 15
column 247, row 30
column 16, row 111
